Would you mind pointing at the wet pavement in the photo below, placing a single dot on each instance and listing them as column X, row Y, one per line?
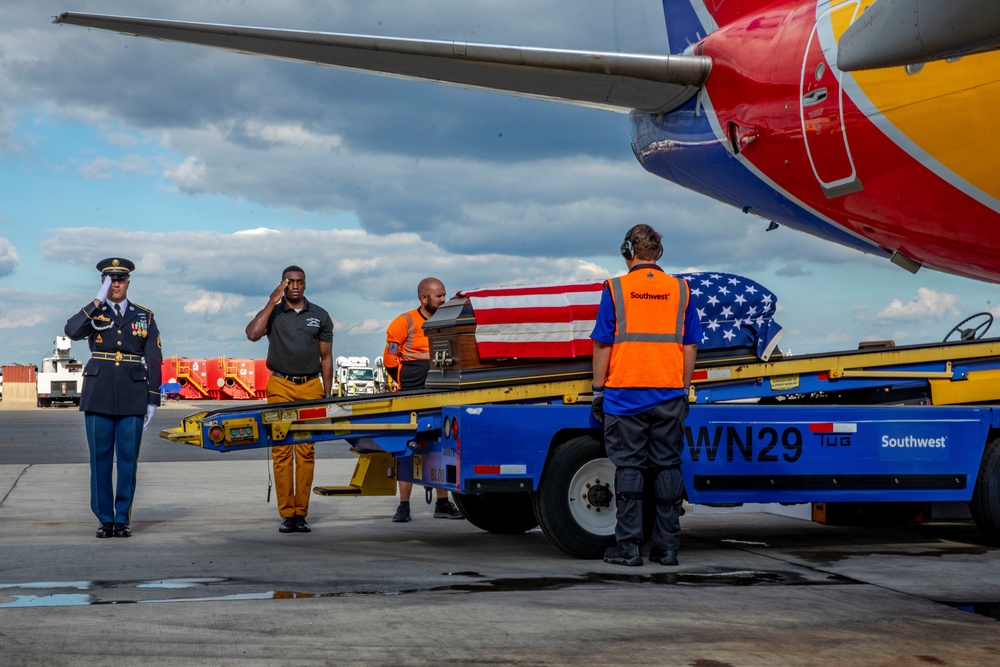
column 207, row 579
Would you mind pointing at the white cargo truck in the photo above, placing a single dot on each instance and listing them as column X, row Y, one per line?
column 354, row 375
column 61, row 376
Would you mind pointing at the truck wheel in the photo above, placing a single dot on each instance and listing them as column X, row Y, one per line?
column 985, row 504
column 575, row 502
column 501, row 513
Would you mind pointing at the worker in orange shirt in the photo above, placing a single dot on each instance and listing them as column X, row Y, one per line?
column 407, row 360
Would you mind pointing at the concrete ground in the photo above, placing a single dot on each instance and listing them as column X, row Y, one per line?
column 207, row 579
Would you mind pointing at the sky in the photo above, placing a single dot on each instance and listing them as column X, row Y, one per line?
column 213, row 171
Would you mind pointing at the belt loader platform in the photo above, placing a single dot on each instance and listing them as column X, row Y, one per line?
column 906, row 424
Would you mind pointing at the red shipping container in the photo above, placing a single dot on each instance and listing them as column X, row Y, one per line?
column 261, row 376
column 239, row 379
column 190, row 374
column 19, row 374
column 215, row 377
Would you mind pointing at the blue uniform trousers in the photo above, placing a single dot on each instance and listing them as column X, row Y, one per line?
column 649, row 443
column 109, row 438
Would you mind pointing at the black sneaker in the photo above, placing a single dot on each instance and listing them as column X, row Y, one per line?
column 287, row 524
column 301, row 525
column 122, row 530
column 402, row 514
column 668, row 557
column 447, row 510
column 105, row 530
column 626, row 553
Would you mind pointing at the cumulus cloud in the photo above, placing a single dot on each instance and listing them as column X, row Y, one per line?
column 204, row 302
column 101, row 168
column 926, row 304
column 8, row 257
column 367, row 326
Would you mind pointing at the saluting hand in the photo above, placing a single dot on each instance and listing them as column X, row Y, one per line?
column 102, row 294
column 279, row 292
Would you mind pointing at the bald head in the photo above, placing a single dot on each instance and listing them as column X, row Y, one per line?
column 431, row 293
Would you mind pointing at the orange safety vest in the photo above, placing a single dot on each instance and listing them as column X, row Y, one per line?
column 648, row 350
column 414, row 346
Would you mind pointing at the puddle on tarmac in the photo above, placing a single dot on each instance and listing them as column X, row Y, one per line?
column 988, row 609
column 505, row 585
column 833, row 556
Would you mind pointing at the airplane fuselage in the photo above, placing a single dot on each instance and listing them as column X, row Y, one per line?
column 887, row 161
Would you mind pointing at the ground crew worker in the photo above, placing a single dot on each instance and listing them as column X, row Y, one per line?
column 645, row 344
column 120, row 392
column 299, row 351
column 407, row 361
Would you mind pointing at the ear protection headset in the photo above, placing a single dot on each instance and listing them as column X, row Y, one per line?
column 627, row 251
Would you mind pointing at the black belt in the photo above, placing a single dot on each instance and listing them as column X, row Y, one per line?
column 296, row 379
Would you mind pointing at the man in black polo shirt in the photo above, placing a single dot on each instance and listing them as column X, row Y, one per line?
column 299, row 351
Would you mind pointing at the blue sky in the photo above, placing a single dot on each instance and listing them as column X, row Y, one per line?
column 213, row 171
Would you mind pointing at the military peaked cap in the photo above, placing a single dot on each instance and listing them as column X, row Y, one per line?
column 115, row 266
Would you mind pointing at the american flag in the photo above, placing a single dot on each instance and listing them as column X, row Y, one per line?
column 734, row 312
column 555, row 321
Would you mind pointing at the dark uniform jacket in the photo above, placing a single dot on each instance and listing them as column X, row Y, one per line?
column 118, row 387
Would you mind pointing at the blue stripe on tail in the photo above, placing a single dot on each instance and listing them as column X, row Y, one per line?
column 684, row 28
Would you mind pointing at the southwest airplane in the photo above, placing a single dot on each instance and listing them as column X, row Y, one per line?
column 869, row 123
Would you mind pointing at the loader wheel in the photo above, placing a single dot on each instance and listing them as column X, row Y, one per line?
column 575, row 502
column 500, row 513
column 985, row 504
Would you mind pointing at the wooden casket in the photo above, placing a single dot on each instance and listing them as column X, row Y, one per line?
column 500, row 336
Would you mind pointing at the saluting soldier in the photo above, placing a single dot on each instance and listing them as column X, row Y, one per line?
column 121, row 389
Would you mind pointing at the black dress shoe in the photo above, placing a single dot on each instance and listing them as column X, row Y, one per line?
column 123, row 530
column 105, row 530
column 301, row 525
column 287, row 524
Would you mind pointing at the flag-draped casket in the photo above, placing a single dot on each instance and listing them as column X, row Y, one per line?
column 537, row 333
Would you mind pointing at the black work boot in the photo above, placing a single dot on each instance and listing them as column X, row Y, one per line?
column 668, row 557
column 626, row 553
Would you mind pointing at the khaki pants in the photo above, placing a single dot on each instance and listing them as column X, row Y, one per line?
column 293, row 464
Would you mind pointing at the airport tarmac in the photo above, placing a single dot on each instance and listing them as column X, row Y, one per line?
column 207, row 579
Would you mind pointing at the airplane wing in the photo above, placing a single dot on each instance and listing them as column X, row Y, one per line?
column 616, row 81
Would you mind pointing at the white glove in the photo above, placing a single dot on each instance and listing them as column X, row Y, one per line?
column 102, row 294
column 150, row 409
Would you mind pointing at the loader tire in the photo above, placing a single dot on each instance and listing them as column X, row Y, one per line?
column 575, row 503
column 500, row 513
column 985, row 503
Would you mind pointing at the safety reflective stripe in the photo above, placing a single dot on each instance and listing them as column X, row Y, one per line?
column 622, row 334
column 407, row 353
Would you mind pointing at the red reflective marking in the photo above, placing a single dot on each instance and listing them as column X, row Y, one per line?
column 486, row 470
column 821, row 428
column 309, row 413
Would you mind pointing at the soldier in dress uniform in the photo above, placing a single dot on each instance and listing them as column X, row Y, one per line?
column 121, row 389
